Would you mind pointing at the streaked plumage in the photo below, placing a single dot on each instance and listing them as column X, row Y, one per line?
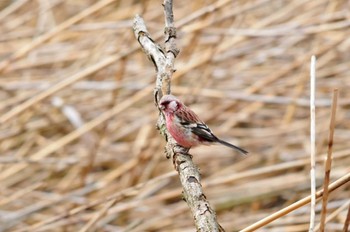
column 186, row 127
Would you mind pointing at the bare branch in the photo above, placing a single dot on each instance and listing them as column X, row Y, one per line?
column 204, row 215
column 152, row 50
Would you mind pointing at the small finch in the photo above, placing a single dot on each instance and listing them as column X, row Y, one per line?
column 186, row 127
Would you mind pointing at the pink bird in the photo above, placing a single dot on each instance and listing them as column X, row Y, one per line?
column 186, row 127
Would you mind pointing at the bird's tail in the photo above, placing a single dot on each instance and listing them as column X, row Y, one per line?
column 244, row 152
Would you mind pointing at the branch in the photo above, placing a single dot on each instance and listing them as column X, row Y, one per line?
column 204, row 215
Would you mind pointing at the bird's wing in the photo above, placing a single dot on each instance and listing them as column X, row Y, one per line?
column 203, row 131
column 190, row 120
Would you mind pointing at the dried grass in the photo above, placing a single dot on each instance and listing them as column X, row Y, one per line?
column 79, row 149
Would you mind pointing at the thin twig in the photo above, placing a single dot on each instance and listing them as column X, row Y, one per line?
column 312, row 142
column 42, row 39
column 61, row 85
column 347, row 221
column 12, row 8
column 117, row 196
column 333, row 186
column 91, row 125
column 89, row 226
column 333, row 214
column 328, row 161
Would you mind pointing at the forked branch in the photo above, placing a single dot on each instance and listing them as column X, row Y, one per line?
column 204, row 215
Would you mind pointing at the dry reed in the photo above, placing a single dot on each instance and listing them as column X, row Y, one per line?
column 78, row 143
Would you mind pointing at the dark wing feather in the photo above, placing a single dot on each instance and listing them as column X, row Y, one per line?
column 202, row 131
column 190, row 120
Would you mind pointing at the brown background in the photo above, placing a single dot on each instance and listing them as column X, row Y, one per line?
column 243, row 67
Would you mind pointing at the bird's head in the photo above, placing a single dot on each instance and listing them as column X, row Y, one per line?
column 169, row 104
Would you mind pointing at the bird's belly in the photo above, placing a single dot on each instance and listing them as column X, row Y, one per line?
column 183, row 136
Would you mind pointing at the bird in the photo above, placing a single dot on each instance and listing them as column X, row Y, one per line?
column 186, row 127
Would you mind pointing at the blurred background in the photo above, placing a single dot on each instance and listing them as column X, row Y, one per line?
column 79, row 149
